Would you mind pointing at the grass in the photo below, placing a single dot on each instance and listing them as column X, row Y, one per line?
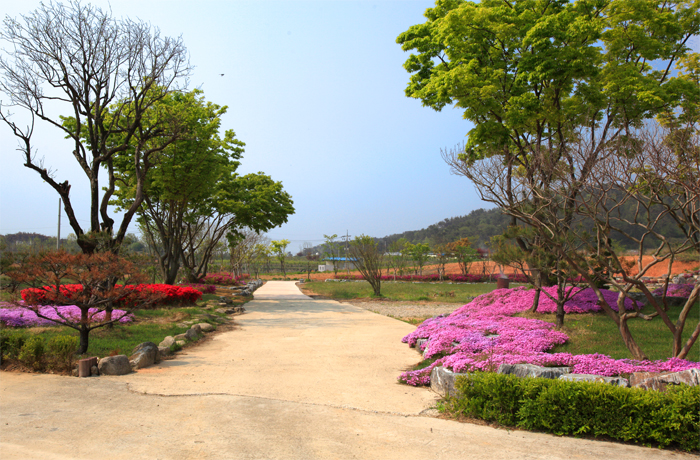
column 439, row 292
column 597, row 333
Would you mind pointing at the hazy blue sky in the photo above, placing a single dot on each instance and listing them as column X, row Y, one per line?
column 315, row 90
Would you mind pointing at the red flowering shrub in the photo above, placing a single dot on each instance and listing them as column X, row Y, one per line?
column 173, row 295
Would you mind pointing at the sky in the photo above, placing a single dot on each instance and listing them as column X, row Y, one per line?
column 315, row 90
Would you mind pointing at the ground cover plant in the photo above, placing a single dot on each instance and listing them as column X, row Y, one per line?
column 434, row 277
column 448, row 293
column 485, row 333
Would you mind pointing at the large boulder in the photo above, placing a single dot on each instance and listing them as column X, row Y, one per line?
column 167, row 342
column 617, row 381
column 659, row 381
column 114, row 365
column 531, row 370
column 442, row 381
column 144, row 355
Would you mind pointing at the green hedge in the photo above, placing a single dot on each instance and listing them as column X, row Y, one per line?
column 582, row 408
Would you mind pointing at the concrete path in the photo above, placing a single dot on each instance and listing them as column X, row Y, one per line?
column 298, row 379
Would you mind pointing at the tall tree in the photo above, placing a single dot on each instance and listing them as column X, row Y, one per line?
column 87, row 63
column 537, row 76
column 279, row 249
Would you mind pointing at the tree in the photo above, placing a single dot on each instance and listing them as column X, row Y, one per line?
column 310, row 257
column 331, row 250
column 90, row 63
column 193, row 196
column 464, row 253
column 419, row 253
column 368, row 260
column 243, row 249
column 93, row 296
column 279, row 248
column 537, row 76
column 397, row 256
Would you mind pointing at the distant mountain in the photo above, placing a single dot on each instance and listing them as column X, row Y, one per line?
column 479, row 226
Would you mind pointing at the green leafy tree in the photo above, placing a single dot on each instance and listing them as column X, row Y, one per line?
column 419, row 253
column 331, row 250
column 543, row 81
column 193, row 196
column 82, row 61
column 464, row 253
column 396, row 258
column 279, row 249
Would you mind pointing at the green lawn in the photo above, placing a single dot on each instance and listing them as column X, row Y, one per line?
column 440, row 292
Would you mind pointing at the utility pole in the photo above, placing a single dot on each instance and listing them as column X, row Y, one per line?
column 347, row 259
column 58, row 235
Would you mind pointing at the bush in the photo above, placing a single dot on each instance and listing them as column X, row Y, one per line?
column 171, row 295
column 11, row 342
column 62, row 350
column 32, row 353
column 583, row 408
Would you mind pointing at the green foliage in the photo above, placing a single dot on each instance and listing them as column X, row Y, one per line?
column 419, row 253
column 11, row 342
column 32, row 352
column 582, row 408
column 368, row 261
column 62, row 349
column 279, row 249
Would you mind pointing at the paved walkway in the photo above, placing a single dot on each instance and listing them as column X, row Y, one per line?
column 298, row 379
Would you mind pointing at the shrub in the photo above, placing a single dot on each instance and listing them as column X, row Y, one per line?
column 170, row 295
column 32, row 352
column 11, row 342
column 583, row 408
column 62, row 350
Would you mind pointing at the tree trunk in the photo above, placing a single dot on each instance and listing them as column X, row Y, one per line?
column 84, row 336
column 631, row 345
column 560, row 314
column 535, row 301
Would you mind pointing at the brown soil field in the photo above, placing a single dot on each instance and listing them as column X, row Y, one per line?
column 488, row 267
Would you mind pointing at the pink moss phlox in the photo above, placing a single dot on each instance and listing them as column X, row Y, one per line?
column 23, row 317
column 484, row 334
column 675, row 290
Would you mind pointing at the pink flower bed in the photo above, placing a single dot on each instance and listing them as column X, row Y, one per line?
column 675, row 290
column 484, row 334
column 22, row 317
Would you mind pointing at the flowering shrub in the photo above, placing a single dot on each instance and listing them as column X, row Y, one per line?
column 224, row 279
column 171, row 294
column 484, row 334
column 20, row 317
column 675, row 290
column 203, row 288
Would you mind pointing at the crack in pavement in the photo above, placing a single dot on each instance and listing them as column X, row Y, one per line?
column 422, row 413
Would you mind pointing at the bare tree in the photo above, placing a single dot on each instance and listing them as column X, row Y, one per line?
column 242, row 249
column 368, row 260
column 105, row 73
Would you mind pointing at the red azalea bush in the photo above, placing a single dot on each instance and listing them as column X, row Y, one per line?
column 173, row 295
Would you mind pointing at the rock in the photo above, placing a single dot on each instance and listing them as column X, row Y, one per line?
column 74, row 372
column 191, row 334
column 419, row 343
column 231, row 311
column 164, row 351
column 144, row 355
column 616, row 381
column 180, row 337
column 167, row 342
column 181, row 343
column 205, row 327
column 94, row 371
column 442, row 381
column 530, row 370
column 659, row 381
column 114, row 365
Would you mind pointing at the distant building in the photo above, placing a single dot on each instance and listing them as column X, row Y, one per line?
column 342, row 263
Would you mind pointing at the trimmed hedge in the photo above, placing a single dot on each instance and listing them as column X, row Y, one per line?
column 582, row 408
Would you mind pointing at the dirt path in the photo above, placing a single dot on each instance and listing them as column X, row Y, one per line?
column 298, row 379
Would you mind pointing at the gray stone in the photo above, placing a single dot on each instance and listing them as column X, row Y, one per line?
column 180, row 337
column 419, row 343
column 181, row 343
column 442, row 381
column 164, row 351
column 191, row 334
column 167, row 342
column 205, row 327
column 659, row 381
column 144, row 355
column 75, row 372
column 616, row 381
column 94, row 371
column 530, row 370
column 114, row 365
